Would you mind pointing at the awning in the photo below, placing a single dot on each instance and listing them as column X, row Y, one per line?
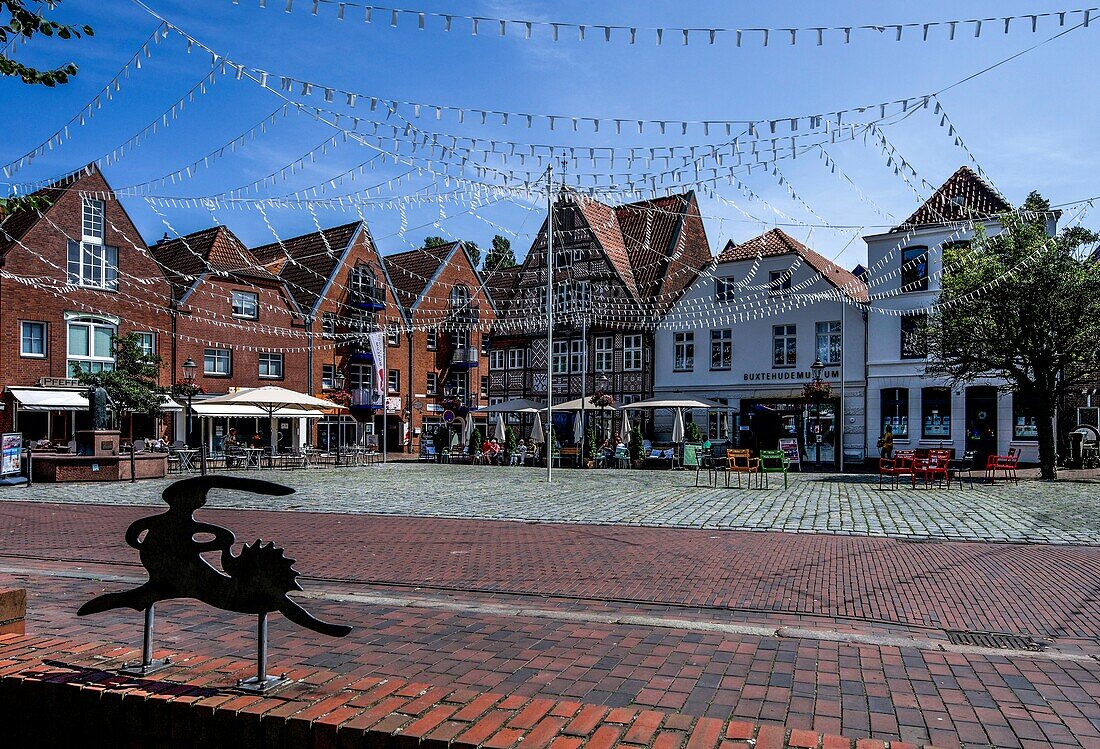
column 243, row 411
column 171, row 405
column 44, row 399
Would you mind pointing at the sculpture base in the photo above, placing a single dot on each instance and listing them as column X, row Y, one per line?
column 144, row 669
column 255, row 685
column 98, row 443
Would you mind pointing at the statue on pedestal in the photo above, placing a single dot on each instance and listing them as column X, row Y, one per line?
column 98, row 403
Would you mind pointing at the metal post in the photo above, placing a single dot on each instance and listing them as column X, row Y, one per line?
column 584, row 369
column 147, row 665
column 843, row 356
column 133, row 460
column 550, row 323
column 202, row 446
column 385, row 385
column 261, row 682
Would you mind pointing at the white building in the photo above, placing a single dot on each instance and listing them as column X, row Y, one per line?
column 746, row 333
column 904, row 267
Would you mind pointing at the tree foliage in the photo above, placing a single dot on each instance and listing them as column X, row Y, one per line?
column 434, row 241
column 1023, row 306
column 22, row 22
column 501, row 256
column 132, row 384
column 475, row 252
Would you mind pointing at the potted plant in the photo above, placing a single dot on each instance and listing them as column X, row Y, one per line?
column 637, row 448
column 509, row 442
column 817, row 391
column 600, row 399
column 692, row 433
column 590, row 448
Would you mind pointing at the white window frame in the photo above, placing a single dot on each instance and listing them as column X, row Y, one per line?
column 632, row 352
column 496, row 358
column 578, row 355
column 826, row 333
column 242, row 300
column 151, row 349
column 393, row 336
column 431, row 386
column 92, row 361
column 605, row 353
column 788, row 333
column 460, row 382
column 725, row 289
column 517, row 358
column 23, row 338
column 275, row 364
column 215, row 354
column 92, row 265
column 93, row 215
column 328, row 325
column 431, row 339
column 328, row 376
column 721, row 343
column 393, row 381
column 683, row 351
column 780, row 281
column 560, row 358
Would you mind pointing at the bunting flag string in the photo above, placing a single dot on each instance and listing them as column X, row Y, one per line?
column 106, row 94
column 922, row 31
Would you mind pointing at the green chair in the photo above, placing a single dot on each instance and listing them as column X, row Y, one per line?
column 773, row 461
column 692, row 460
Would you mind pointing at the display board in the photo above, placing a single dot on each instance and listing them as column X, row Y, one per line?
column 789, row 447
column 11, row 453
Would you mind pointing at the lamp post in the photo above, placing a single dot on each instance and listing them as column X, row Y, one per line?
column 338, row 380
column 817, row 368
column 189, row 370
column 602, row 386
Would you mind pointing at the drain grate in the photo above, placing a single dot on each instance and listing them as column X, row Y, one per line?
column 996, row 640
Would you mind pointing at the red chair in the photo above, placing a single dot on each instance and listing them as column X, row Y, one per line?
column 930, row 469
column 1007, row 464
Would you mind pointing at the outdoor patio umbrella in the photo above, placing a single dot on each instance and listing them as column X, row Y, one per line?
column 624, row 428
column 579, row 404
column 536, row 430
column 578, row 429
column 678, row 427
column 498, row 434
column 514, row 406
column 670, row 403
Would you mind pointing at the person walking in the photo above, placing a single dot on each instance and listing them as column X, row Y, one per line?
column 886, row 443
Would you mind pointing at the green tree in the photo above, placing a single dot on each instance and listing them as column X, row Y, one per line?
column 501, row 256
column 509, row 440
column 22, row 21
column 1022, row 306
column 433, row 241
column 132, row 384
column 692, row 432
column 637, row 444
column 475, row 440
column 475, row 252
column 590, row 445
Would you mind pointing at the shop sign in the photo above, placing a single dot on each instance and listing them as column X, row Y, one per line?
column 11, row 453
column 789, row 375
column 58, row 382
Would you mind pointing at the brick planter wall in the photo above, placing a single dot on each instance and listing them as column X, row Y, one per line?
column 56, row 693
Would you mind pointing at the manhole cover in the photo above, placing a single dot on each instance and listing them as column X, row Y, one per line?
column 997, row 640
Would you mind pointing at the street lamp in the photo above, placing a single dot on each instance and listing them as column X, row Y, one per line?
column 817, row 368
column 189, row 370
column 338, row 380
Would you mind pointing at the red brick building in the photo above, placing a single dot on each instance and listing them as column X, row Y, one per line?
column 447, row 308
column 235, row 319
column 75, row 273
column 342, row 292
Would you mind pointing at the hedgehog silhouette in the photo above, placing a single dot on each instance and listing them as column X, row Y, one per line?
column 170, row 545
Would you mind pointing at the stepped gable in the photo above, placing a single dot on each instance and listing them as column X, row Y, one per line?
column 778, row 242
column 962, row 197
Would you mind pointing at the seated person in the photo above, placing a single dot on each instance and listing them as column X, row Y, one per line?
column 231, row 439
column 257, row 440
column 519, row 454
column 43, row 443
column 496, row 452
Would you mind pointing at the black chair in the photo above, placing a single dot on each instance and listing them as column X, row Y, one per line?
column 956, row 468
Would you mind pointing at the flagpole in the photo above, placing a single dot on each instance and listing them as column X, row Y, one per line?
column 550, row 324
column 385, row 374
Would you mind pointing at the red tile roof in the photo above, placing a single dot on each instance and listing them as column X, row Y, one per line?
column 307, row 262
column 963, row 196
column 500, row 284
column 604, row 223
column 778, row 242
column 184, row 259
column 411, row 272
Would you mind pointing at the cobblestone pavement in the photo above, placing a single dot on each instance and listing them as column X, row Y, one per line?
column 1034, row 511
column 835, row 634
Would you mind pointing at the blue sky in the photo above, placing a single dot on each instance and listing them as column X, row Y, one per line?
column 1029, row 123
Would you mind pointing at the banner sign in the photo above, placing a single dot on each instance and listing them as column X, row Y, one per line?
column 11, row 453
column 789, row 447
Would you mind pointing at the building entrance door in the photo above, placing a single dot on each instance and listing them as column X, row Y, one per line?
column 981, row 422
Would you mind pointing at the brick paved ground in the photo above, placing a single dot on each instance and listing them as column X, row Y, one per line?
column 818, row 503
column 838, row 635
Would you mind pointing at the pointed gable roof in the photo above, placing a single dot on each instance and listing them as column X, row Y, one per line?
column 501, row 285
column 778, row 242
column 14, row 226
column 412, row 272
column 186, row 259
column 963, row 196
column 603, row 221
column 307, row 263
column 666, row 243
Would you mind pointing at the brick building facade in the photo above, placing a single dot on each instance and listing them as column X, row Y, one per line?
column 75, row 273
column 447, row 308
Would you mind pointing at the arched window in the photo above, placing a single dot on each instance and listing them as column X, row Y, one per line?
column 90, row 344
column 460, row 296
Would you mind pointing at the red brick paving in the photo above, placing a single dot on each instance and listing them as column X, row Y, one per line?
column 828, row 687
